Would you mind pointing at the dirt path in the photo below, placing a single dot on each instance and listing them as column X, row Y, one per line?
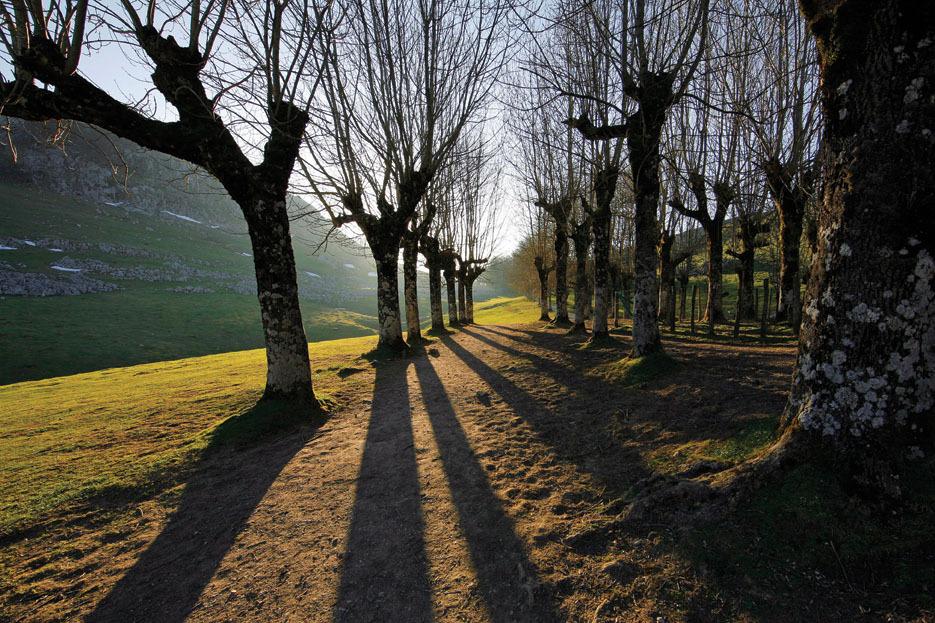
column 469, row 484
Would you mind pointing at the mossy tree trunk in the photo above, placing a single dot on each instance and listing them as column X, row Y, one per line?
column 864, row 384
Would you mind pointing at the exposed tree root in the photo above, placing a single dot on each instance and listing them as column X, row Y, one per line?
column 707, row 491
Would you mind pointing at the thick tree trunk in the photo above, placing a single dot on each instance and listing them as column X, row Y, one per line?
column 561, row 273
column 462, row 299
column 790, row 198
column 864, row 384
column 288, row 374
column 435, row 298
column 543, row 272
column 469, row 300
column 451, row 288
column 666, row 272
column 605, row 186
column 714, row 311
column 411, row 290
column 643, row 142
column 791, row 215
column 581, row 236
column 683, row 288
column 431, row 251
column 746, row 285
column 390, row 330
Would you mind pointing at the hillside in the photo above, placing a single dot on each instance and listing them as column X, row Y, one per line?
column 95, row 274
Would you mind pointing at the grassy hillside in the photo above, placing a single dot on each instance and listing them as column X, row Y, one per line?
column 122, row 431
column 182, row 288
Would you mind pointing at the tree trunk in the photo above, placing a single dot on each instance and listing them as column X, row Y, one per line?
column 390, row 330
column 789, row 199
column 561, row 273
column 683, row 287
column 288, row 373
column 746, row 285
column 451, row 287
column 435, row 298
column 865, row 375
column 543, row 272
column 644, row 162
column 666, row 272
column 469, row 300
column 605, row 185
column 462, row 300
column 581, row 237
column 714, row 311
column 411, row 290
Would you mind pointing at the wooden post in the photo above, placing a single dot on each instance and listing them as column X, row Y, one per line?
column 765, row 318
column 694, row 296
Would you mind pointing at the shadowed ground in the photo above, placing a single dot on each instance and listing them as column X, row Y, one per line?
column 481, row 481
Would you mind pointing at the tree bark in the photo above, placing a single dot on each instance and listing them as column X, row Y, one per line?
column 448, row 268
column 748, row 229
column 581, row 237
column 469, row 300
column 864, row 384
column 543, row 272
column 666, row 272
column 643, row 143
column 389, row 330
column 411, row 289
column 559, row 212
column 605, row 185
column 288, row 374
column 790, row 199
column 462, row 298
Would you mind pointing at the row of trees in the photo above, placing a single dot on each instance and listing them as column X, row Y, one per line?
column 639, row 123
column 727, row 128
column 374, row 107
column 664, row 112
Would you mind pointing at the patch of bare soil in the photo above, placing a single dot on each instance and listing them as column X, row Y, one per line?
column 482, row 481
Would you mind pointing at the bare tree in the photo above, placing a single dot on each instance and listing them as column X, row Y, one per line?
column 654, row 49
column 787, row 110
column 239, row 77
column 547, row 167
column 403, row 80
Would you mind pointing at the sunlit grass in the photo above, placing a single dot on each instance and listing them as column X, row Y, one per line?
column 99, row 433
column 122, row 431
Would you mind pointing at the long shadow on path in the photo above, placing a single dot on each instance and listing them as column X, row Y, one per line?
column 384, row 576
column 580, row 436
column 507, row 579
column 168, row 578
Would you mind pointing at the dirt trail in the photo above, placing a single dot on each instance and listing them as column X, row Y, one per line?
column 463, row 485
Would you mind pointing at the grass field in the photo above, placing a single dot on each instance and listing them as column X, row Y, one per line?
column 121, row 432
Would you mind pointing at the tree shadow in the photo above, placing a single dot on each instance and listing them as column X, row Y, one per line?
column 227, row 485
column 577, row 430
column 384, row 574
column 507, row 579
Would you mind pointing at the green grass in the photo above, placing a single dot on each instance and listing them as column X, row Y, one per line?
column 631, row 371
column 124, row 431
column 506, row 310
column 744, row 440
